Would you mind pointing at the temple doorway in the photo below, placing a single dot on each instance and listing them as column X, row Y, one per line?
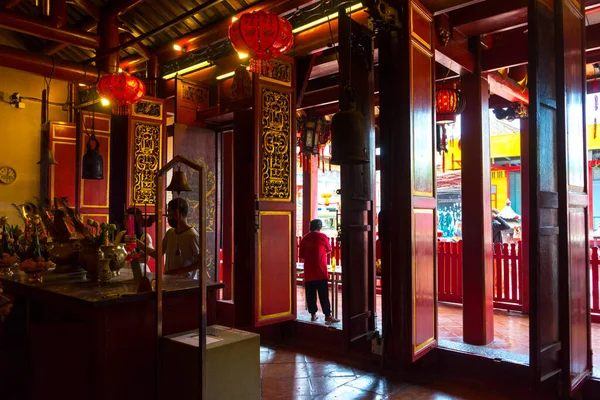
column 511, row 322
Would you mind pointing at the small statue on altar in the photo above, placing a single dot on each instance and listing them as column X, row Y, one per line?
column 5, row 305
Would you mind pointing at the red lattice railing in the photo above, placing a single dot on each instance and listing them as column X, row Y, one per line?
column 508, row 289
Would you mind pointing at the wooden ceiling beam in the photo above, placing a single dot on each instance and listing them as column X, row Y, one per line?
column 483, row 18
column 218, row 31
column 438, row 7
column 514, row 53
column 89, row 7
column 304, row 67
column 8, row 4
column 455, row 56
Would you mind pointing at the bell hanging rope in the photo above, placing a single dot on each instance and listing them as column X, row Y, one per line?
column 349, row 136
column 92, row 166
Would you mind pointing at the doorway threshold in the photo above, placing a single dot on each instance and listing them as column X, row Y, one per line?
column 495, row 354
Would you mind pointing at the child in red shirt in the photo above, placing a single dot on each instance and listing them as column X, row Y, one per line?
column 314, row 248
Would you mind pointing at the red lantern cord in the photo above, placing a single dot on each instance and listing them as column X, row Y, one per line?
column 121, row 90
column 262, row 35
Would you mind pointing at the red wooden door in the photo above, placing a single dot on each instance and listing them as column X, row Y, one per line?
column 573, row 187
column 94, row 195
column 558, row 247
column 146, row 153
column 275, row 194
column 62, row 176
column 264, row 201
column 409, row 208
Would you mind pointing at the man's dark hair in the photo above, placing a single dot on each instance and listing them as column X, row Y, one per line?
column 179, row 204
column 134, row 211
column 316, row 225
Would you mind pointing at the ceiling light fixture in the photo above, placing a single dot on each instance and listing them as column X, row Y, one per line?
column 323, row 20
column 225, row 76
column 187, row 70
column 177, row 47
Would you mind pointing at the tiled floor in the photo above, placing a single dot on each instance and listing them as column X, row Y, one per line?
column 287, row 374
column 511, row 331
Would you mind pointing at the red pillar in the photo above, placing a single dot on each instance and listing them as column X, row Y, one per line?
column 108, row 30
column 478, row 298
column 310, row 192
column 151, row 83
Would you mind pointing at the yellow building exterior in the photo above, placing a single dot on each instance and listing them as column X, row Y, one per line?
column 501, row 147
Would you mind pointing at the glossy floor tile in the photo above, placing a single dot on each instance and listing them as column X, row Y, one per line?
column 288, row 374
column 511, row 330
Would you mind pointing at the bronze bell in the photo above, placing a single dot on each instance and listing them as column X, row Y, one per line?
column 349, row 138
column 48, row 158
column 179, row 182
column 92, row 166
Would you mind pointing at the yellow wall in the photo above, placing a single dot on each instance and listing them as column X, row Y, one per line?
column 499, row 180
column 500, row 146
column 20, row 133
column 508, row 146
column 593, row 144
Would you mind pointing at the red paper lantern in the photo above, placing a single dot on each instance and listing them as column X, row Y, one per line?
column 449, row 104
column 122, row 90
column 262, row 35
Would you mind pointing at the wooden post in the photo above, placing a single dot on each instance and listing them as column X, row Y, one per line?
column 478, row 278
column 525, row 221
column 408, row 218
column 357, row 183
column 310, row 192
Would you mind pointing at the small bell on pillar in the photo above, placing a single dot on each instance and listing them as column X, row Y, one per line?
column 92, row 166
column 179, row 182
column 48, row 158
column 349, row 145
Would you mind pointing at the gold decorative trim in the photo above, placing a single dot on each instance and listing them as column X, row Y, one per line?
column 281, row 73
column 424, row 51
column 85, row 216
column 52, row 170
column 147, row 153
column 56, row 137
column 96, row 117
column 419, row 347
column 413, row 33
column 106, row 176
column 276, row 146
column 147, row 109
column 262, row 317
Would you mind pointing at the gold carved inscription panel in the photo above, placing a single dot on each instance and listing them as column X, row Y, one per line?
column 146, row 161
column 276, row 146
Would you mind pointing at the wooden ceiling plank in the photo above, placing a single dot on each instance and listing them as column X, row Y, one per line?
column 437, row 7
column 483, row 18
column 195, row 23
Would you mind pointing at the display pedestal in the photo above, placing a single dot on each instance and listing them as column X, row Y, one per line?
column 232, row 365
